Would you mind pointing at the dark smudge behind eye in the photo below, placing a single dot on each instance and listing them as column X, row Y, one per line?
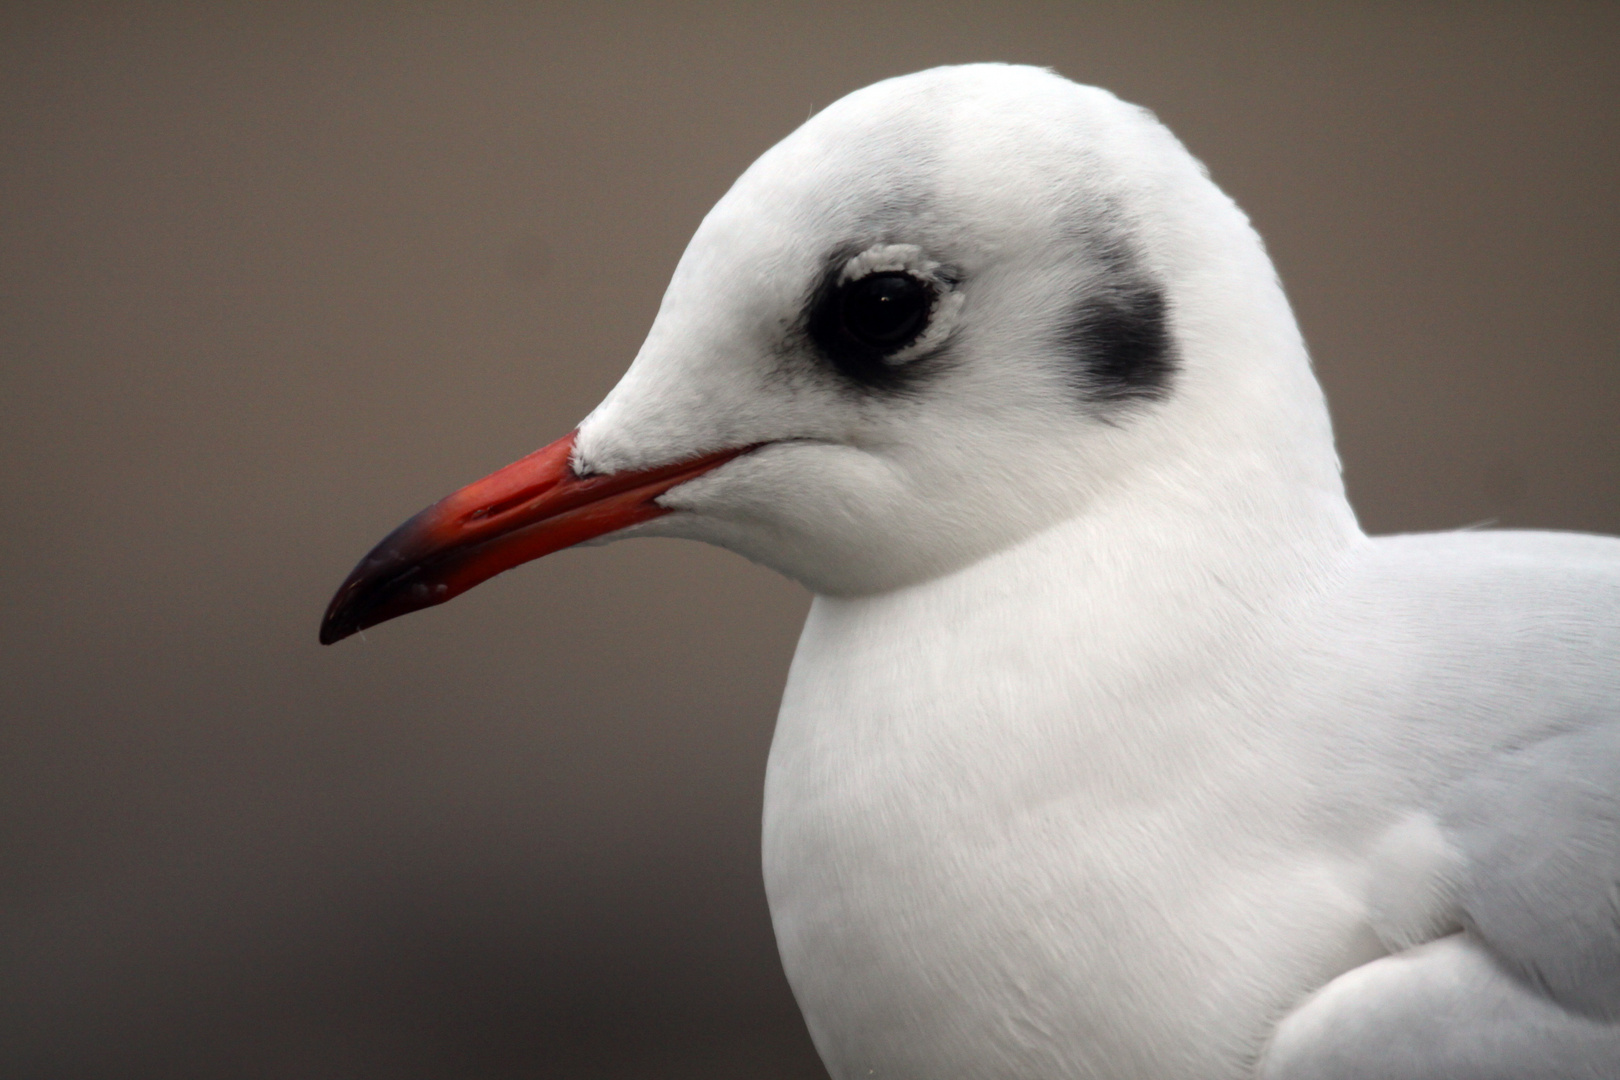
column 1119, row 340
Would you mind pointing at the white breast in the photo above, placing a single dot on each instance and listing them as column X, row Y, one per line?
column 1003, row 838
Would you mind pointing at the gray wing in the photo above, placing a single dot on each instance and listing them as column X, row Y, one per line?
column 1530, row 990
column 1539, row 831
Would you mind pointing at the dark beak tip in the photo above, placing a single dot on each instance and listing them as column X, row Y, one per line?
column 376, row 592
column 338, row 624
column 353, row 607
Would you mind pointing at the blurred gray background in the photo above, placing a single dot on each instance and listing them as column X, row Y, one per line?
column 275, row 276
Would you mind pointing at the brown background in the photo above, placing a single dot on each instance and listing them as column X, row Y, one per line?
column 276, row 276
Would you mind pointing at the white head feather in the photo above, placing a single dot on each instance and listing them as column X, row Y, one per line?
column 1035, row 197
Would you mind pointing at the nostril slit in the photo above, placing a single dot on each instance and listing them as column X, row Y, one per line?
column 496, row 509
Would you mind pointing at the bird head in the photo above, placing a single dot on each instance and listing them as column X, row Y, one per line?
column 949, row 311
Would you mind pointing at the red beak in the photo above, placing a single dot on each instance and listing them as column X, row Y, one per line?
column 534, row 506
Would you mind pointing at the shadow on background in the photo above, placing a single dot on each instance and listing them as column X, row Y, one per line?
column 275, row 276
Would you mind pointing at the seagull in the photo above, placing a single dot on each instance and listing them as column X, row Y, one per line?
column 1113, row 747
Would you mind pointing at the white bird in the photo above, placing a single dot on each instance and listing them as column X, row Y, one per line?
column 1113, row 747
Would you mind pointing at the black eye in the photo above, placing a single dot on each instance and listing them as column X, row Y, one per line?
column 859, row 325
column 884, row 312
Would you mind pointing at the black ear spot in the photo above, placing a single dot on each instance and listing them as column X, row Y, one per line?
column 1120, row 341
